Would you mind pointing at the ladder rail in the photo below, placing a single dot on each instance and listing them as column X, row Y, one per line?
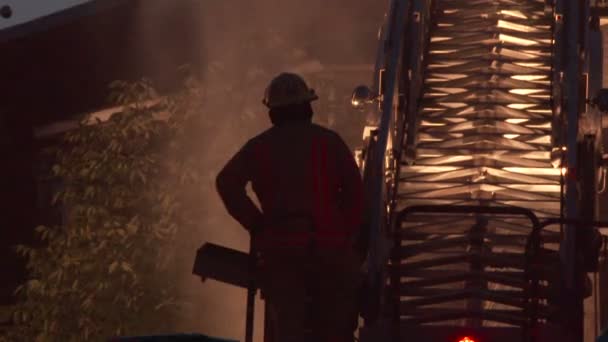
column 408, row 136
column 393, row 45
column 432, row 65
column 533, row 245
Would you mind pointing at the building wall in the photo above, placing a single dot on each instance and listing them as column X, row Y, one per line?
column 63, row 70
column 27, row 10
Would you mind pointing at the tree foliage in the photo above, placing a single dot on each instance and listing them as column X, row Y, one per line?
column 106, row 270
column 132, row 191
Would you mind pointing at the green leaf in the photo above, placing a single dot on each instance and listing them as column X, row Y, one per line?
column 17, row 316
column 34, row 284
column 112, row 267
column 89, row 191
column 103, row 252
column 56, row 197
column 126, row 267
column 21, row 250
column 56, row 169
column 132, row 228
column 142, row 177
column 19, row 289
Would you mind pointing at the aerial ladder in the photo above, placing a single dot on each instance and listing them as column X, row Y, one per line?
column 482, row 164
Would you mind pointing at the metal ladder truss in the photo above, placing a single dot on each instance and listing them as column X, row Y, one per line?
column 477, row 149
column 488, row 271
column 471, row 172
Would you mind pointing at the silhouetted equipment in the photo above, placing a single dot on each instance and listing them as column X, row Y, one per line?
column 6, row 11
column 223, row 264
column 601, row 100
column 362, row 95
column 252, row 287
column 603, row 295
column 231, row 267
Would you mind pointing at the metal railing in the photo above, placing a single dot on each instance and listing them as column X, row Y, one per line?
column 399, row 82
column 532, row 248
column 393, row 45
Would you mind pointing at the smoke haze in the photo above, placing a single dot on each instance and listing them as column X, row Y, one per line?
column 243, row 44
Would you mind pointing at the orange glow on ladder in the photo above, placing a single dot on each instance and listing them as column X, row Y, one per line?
column 466, row 339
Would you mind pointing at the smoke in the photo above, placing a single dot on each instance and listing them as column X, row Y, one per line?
column 242, row 45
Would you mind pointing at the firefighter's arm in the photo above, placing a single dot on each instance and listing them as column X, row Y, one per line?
column 231, row 185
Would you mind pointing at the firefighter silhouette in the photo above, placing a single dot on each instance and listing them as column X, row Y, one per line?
column 310, row 192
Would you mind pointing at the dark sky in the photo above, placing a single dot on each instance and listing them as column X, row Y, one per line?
column 26, row 10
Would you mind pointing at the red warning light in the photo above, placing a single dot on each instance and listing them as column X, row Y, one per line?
column 466, row 339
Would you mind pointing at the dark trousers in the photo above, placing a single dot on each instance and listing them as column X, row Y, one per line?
column 310, row 298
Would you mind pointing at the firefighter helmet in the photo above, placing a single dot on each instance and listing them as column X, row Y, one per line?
column 287, row 89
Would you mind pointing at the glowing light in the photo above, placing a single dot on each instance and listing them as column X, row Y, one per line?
column 466, row 339
column 543, row 139
column 427, row 123
column 525, row 91
column 536, row 171
column 546, row 125
column 516, row 27
column 517, row 14
column 510, row 136
column 430, row 169
column 439, row 39
column 367, row 131
column 450, row 90
column 516, row 121
column 563, row 171
column 528, row 77
column 531, row 64
column 515, row 40
column 520, row 105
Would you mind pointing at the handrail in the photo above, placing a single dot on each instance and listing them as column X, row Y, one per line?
column 393, row 48
column 450, row 209
column 414, row 61
column 575, row 222
column 406, row 22
column 531, row 249
column 391, row 51
column 418, row 36
column 406, row 19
